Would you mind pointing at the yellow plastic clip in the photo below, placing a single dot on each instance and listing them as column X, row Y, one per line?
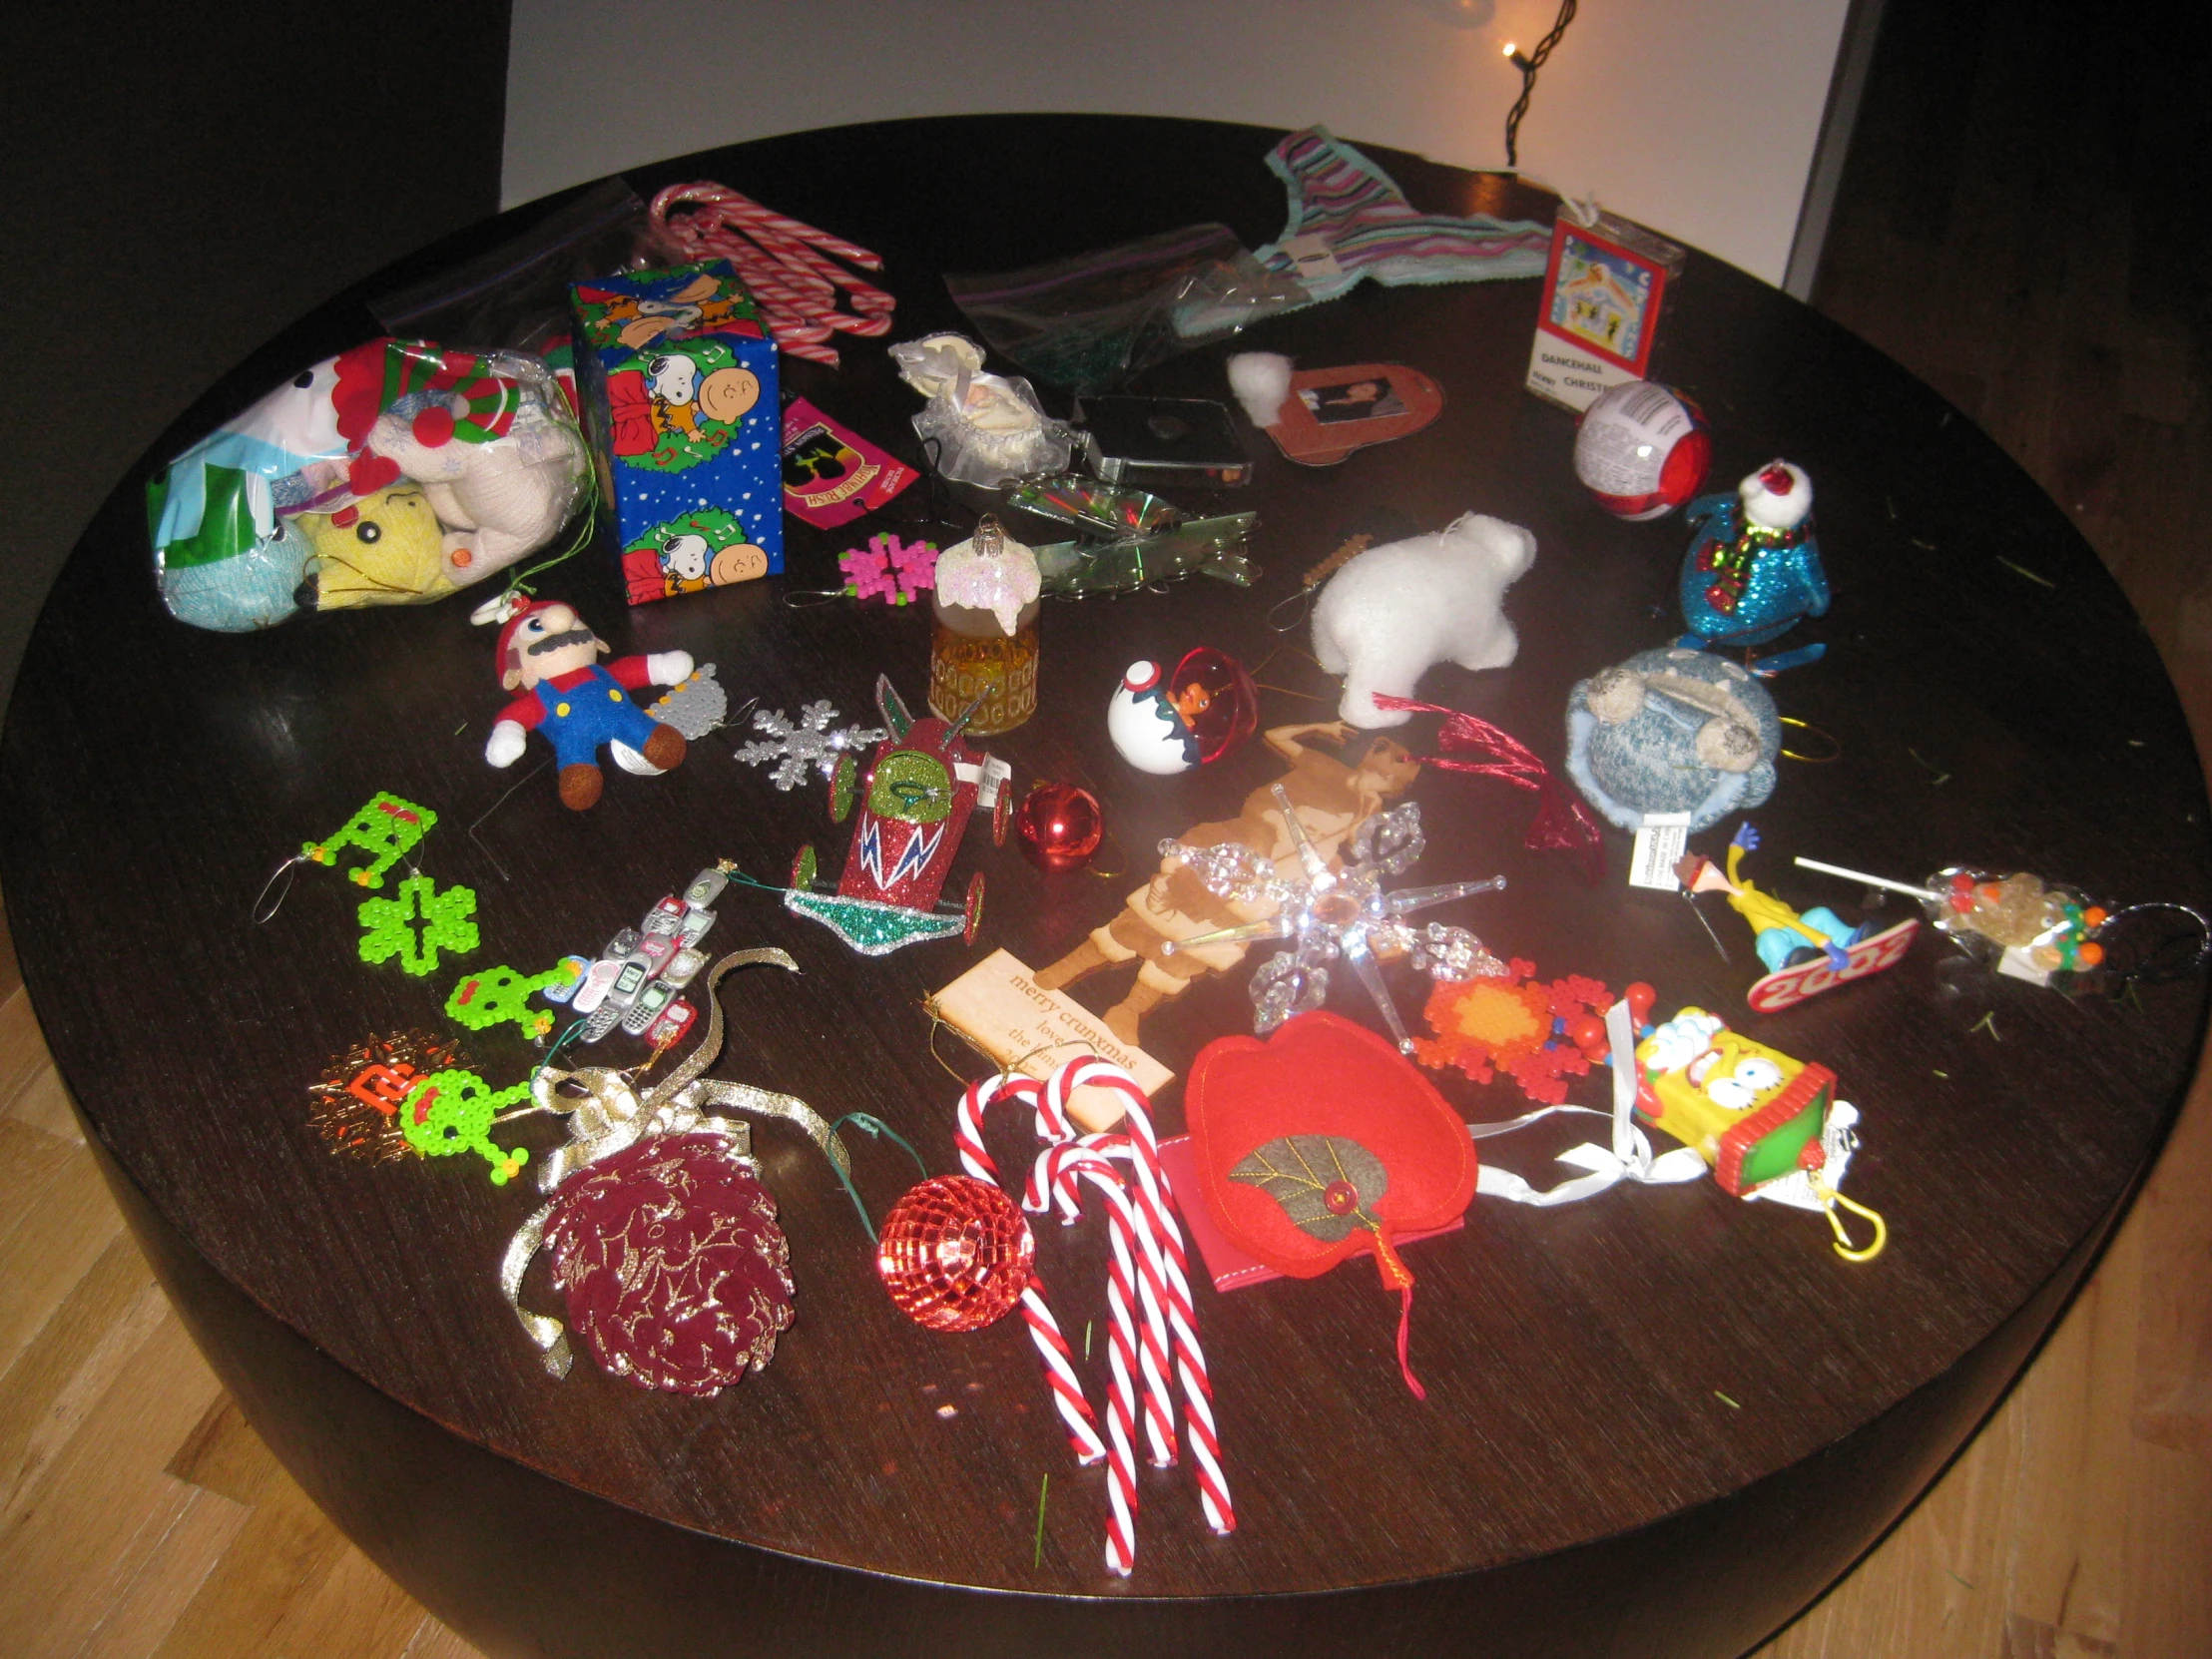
column 1829, row 1199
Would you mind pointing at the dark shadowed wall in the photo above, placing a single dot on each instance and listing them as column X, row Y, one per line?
column 179, row 183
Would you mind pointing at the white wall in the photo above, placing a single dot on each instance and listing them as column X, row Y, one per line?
column 1697, row 117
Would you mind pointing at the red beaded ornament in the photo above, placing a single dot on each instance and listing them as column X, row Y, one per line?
column 672, row 1263
column 956, row 1254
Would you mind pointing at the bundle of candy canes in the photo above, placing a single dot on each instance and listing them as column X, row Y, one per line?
column 781, row 264
column 1152, row 1332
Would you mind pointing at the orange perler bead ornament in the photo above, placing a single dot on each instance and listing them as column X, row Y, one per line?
column 1538, row 1035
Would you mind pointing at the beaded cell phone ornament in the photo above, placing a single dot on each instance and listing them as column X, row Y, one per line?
column 632, row 982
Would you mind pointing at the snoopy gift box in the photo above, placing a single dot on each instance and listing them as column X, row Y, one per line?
column 678, row 375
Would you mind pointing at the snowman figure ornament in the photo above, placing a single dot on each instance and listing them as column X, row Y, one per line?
column 1753, row 572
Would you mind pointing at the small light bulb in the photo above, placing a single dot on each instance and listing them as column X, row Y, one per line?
column 1510, row 49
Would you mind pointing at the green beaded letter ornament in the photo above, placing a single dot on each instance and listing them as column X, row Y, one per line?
column 386, row 829
column 481, row 1000
column 452, row 1111
column 416, row 924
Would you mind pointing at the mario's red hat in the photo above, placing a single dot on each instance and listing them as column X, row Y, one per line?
column 507, row 657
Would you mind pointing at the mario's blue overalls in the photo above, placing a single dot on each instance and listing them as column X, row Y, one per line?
column 587, row 709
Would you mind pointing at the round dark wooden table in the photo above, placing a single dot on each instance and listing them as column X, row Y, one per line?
column 1658, row 1423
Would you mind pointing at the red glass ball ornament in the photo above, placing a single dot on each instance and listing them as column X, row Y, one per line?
column 1060, row 826
column 956, row 1254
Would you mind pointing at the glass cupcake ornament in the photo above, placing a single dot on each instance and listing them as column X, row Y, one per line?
column 983, row 638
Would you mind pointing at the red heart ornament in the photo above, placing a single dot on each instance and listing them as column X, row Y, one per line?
column 1322, row 1075
column 1324, row 1141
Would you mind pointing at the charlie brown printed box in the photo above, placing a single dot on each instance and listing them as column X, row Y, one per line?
column 678, row 375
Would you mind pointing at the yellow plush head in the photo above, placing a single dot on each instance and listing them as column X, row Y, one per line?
column 387, row 549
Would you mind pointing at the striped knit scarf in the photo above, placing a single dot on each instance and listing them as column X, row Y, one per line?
column 1339, row 196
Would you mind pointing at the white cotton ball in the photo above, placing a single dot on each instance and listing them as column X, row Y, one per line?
column 1260, row 380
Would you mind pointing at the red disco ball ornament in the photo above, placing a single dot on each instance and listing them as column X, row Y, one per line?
column 956, row 1254
column 1642, row 449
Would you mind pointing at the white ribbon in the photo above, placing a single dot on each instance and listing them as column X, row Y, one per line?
column 1629, row 1158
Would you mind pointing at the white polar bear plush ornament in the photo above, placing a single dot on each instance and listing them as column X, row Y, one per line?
column 1396, row 609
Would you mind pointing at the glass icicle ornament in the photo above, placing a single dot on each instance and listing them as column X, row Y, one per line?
column 1334, row 914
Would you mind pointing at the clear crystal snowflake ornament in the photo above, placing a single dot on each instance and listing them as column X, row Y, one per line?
column 796, row 745
column 1332, row 915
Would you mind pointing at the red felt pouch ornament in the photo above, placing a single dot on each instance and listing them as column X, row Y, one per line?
column 1322, row 1143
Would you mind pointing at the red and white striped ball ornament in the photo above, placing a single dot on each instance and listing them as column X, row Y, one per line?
column 1643, row 449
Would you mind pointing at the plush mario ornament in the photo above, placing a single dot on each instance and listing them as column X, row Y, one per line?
column 547, row 654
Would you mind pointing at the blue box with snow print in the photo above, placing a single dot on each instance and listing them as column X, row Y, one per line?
column 678, row 376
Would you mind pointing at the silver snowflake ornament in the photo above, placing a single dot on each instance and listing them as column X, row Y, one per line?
column 808, row 743
column 1336, row 914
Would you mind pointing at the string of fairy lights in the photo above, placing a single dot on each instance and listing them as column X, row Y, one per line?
column 1528, row 63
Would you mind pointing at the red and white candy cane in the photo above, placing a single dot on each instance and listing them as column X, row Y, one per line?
column 1162, row 1239
column 1036, row 1311
column 1053, row 1178
column 1071, row 1160
column 777, row 260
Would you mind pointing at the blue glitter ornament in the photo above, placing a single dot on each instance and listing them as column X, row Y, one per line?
column 1753, row 571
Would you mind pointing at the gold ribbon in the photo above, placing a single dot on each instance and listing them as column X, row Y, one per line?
column 546, row 1332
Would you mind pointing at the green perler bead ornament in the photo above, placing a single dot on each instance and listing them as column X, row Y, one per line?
column 416, row 924
column 481, row 1000
column 386, row 829
column 452, row 1111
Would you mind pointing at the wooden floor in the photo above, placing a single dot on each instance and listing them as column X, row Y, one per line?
column 2008, row 230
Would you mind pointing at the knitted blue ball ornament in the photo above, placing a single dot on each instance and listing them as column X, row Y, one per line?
column 1672, row 731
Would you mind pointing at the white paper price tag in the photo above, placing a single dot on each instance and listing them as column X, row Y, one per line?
column 1658, row 844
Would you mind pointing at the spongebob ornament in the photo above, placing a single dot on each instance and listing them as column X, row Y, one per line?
column 1768, row 1126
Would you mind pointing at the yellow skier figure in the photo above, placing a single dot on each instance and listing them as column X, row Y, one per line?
column 1784, row 939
